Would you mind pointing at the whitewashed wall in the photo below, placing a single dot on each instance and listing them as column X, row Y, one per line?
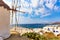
column 4, row 22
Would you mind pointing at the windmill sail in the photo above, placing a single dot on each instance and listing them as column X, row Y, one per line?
column 15, row 9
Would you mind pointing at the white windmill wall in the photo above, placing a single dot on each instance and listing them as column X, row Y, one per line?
column 4, row 22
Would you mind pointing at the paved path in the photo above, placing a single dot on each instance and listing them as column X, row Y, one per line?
column 17, row 37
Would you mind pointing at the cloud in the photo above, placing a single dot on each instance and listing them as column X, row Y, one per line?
column 37, row 9
column 29, row 10
column 34, row 3
column 25, row 20
column 44, row 15
column 42, row 11
column 25, row 6
column 56, row 8
column 50, row 3
column 41, row 2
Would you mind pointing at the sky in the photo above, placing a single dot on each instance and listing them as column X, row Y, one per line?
column 38, row 11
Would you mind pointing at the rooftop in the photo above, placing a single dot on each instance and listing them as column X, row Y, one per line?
column 2, row 3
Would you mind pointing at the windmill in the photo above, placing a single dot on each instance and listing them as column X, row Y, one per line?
column 15, row 9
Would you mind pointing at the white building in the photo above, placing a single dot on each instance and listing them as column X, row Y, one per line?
column 52, row 28
column 48, row 29
column 37, row 30
column 4, row 20
column 56, row 32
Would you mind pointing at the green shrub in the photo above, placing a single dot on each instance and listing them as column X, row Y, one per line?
column 34, row 36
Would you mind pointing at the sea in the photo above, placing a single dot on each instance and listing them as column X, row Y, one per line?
column 31, row 25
